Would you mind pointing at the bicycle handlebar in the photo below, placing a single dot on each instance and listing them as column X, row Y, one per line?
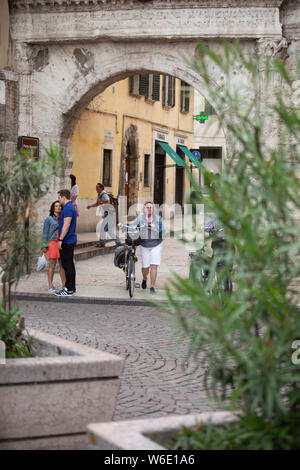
column 129, row 228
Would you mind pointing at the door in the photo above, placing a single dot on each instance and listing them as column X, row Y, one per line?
column 179, row 180
column 131, row 174
column 159, row 174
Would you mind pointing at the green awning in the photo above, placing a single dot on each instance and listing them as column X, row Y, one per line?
column 191, row 157
column 176, row 158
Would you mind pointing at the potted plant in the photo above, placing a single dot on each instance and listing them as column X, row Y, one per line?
column 48, row 399
column 249, row 334
column 50, row 388
column 23, row 181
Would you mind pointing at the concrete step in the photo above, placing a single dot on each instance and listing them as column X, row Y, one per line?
column 91, row 250
column 81, row 245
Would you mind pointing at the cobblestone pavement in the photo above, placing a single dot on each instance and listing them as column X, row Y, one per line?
column 154, row 382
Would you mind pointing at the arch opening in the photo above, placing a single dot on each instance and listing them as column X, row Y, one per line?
column 116, row 140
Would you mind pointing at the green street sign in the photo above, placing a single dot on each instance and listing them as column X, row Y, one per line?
column 200, row 117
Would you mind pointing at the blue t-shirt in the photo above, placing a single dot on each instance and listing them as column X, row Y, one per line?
column 68, row 211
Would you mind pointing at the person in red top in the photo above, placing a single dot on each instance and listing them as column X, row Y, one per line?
column 50, row 240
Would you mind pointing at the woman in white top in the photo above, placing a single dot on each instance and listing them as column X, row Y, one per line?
column 74, row 193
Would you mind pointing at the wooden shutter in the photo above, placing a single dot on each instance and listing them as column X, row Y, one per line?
column 182, row 88
column 170, row 91
column 164, row 101
column 156, row 87
column 187, row 97
column 184, row 97
column 131, row 84
column 144, row 85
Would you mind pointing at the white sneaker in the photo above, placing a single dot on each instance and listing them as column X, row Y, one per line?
column 52, row 290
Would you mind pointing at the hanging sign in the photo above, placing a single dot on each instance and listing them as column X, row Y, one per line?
column 30, row 144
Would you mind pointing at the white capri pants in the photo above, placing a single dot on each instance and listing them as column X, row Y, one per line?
column 151, row 255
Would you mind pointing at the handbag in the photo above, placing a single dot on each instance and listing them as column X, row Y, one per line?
column 41, row 262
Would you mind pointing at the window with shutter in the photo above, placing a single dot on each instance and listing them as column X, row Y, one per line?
column 184, row 97
column 134, row 84
column 168, row 91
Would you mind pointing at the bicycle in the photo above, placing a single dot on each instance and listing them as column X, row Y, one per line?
column 125, row 256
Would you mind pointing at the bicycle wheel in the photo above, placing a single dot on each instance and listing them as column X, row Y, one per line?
column 126, row 274
column 131, row 275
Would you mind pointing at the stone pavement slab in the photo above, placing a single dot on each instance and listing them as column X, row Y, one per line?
column 98, row 278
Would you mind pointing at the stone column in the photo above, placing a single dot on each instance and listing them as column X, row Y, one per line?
column 268, row 48
column 9, row 111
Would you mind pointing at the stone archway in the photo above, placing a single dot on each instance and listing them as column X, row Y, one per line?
column 68, row 52
column 128, row 59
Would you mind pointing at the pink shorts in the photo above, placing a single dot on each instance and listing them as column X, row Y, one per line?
column 52, row 250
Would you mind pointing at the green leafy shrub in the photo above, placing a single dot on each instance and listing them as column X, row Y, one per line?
column 249, row 334
column 12, row 333
column 23, row 181
column 252, row 432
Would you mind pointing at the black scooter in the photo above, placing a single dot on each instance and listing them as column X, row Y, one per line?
column 200, row 262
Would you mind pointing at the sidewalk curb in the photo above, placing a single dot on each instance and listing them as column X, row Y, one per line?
column 81, row 300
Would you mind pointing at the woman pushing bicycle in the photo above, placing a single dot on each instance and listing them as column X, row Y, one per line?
column 151, row 232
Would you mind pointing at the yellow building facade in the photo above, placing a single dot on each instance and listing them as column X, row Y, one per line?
column 117, row 142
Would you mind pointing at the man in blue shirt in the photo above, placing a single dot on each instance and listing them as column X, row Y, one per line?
column 67, row 240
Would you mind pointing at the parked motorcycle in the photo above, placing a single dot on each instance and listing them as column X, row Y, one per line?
column 212, row 270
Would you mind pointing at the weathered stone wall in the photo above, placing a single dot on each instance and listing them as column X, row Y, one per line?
column 290, row 17
column 4, row 33
column 9, row 111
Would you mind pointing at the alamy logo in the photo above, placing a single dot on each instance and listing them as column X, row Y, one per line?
column 2, row 352
column 296, row 354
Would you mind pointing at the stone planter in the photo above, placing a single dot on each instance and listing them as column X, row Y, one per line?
column 47, row 401
column 148, row 434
